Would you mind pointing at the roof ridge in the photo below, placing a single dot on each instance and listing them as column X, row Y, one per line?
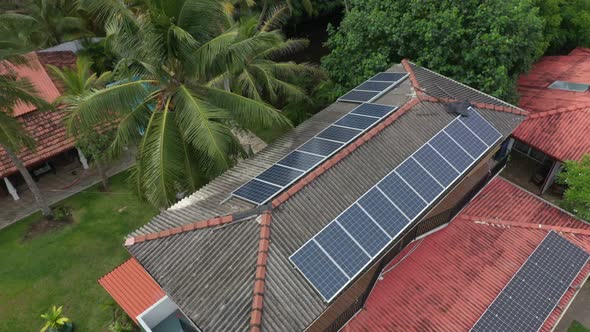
column 260, row 277
column 343, row 153
column 209, row 223
column 559, row 110
column 486, row 221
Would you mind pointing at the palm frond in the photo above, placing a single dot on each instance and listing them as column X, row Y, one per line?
column 203, row 19
column 288, row 47
column 13, row 135
column 275, row 18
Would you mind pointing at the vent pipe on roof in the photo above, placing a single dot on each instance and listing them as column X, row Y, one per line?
column 459, row 107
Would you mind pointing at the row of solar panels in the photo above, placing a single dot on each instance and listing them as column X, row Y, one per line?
column 340, row 251
column 299, row 162
column 373, row 88
column 533, row 292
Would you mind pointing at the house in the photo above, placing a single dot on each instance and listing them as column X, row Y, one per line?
column 53, row 147
column 447, row 280
column 295, row 237
column 555, row 92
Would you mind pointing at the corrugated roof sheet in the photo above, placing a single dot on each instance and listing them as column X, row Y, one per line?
column 132, row 288
column 37, row 75
column 535, row 96
column 445, row 281
column 562, row 134
column 192, row 266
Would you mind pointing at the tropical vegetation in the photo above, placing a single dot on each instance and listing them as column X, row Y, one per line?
column 55, row 321
column 13, row 137
column 576, row 176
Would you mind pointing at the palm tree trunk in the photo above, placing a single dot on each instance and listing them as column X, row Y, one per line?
column 41, row 204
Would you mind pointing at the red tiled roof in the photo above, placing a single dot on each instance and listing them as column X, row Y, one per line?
column 132, row 287
column 48, row 131
column 535, row 96
column 60, row 59
column 445, row 281
column 39, row 78
column 561, row 134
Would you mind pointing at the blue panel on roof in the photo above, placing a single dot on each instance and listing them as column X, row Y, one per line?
column 320, row 147
column 481, row 127
column 383, row 212
column 388, row 77
column 466, row 139
column 279, row 175
column 360, row 226
column 300, row 160
column 373, row 86
column 451, row 151
column 373, row 110
column 340, row 134
column 436, row 165
column 256, row 191
column 342, row 248
column 419, row 180
column 402, row 195
column 319, row 270
column 359, row 96
column 357, row 121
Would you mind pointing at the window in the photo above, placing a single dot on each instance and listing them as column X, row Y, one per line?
column 569, row 86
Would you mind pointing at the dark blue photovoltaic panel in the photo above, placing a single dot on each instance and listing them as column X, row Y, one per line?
column 542, row 279
column 419, row 180
column 319, row 270
column 320, row 146
column 339, row 133
column 257, row 191
column 358, row 224
column 373, row 86
column 481, row 127
column 527, row 294
column 347, row 254
column 279, row 175
column 359, row 96
column 451, row 151
column 513, row 315
column 491, row 324
column 466, row 139
column 552, row 257
column 356, row 121
column 373, row 110
column 402, row 195
column 300, row 160
column 436, row 165
column 383, row 212
column 388, row 77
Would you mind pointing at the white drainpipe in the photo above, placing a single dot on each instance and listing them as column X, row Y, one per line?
column 11, row 189
column 82, row 157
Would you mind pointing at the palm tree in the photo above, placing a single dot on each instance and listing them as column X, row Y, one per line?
column 260, row 77
column 13, row 138
column 166, row 101
column 77, row 82
column 46, row 22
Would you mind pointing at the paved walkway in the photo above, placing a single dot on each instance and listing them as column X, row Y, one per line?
column 68, row 181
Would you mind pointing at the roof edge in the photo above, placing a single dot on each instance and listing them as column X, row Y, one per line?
column 509, row 223
column 260, row 277
column 559, row 110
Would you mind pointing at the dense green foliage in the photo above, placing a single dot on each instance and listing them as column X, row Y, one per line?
column 485, row 44
column 576, row 176
column 62, row 266
column 567, row 24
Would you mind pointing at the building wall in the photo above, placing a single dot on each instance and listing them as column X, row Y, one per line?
column 352, row 298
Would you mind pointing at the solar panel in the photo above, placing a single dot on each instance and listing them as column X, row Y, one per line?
column 279, row 175
column 301, row 160
column 257, row 191
column 537, row 287
column 373, row 88
column 379, row 216
column 340, row 134
column 479, row 125
column 297, row 163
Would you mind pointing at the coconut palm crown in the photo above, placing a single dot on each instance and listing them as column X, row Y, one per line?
column 166, row 99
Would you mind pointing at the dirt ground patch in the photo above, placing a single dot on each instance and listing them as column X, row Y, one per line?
column 44, row 225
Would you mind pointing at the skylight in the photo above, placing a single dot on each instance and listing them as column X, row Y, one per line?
column 569, row 86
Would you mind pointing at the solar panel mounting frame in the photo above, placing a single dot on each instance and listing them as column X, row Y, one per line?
column 393, row 85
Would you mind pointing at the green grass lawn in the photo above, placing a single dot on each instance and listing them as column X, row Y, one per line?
column 62, row 267
column 577, row 327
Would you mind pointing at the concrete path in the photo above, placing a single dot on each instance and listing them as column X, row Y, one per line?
column 68, row 181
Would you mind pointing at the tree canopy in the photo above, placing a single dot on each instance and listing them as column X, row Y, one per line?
column 484, row 44
column 576, row 176
column 567, row 24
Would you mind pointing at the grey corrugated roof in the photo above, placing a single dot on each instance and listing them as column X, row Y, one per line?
column 209, row 273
